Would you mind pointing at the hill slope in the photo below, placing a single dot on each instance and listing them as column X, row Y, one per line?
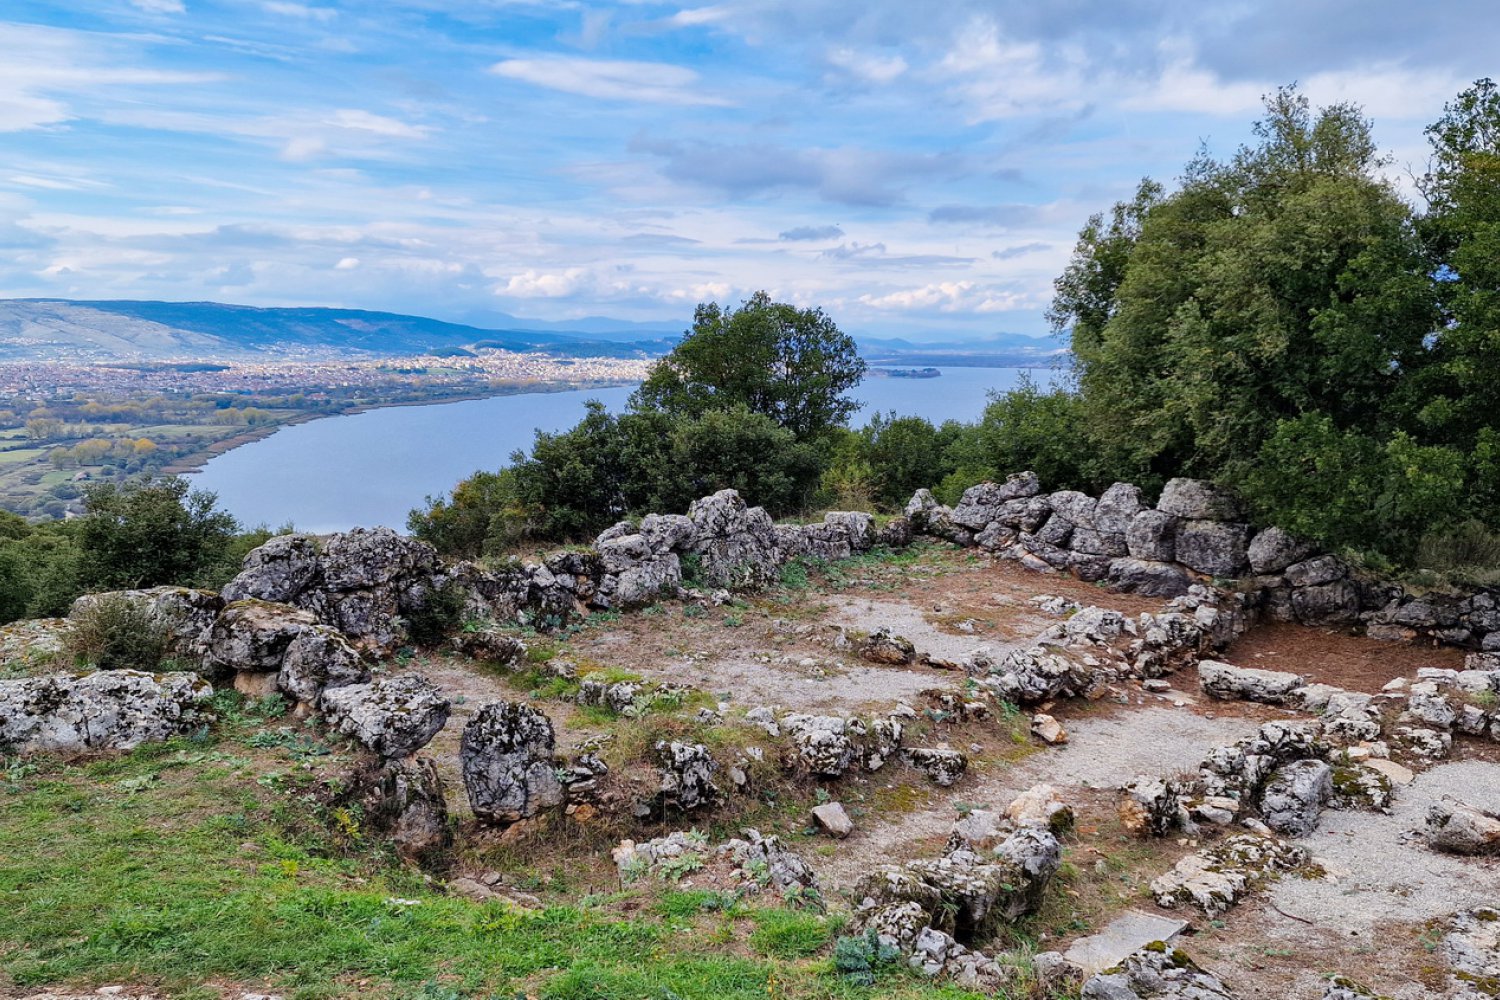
column 105, row 331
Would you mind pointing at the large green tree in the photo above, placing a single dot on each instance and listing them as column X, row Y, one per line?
column 1286, row 280
column 151, row 533
column 792, row 365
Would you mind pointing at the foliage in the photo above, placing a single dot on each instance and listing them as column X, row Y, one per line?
column 791, row 365
column 859, row 959
column 113, row 632
column 147, row 534
column 439, row 616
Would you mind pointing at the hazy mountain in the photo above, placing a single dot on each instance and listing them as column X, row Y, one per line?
column 103, row 331
column 135, row 331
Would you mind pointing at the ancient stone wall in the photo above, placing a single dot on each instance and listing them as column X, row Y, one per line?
column 1196, row 533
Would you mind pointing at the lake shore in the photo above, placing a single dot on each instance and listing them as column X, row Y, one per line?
column 193, row 464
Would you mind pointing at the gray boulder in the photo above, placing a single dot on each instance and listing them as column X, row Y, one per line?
column 1152, row 536
column 1150, row 579
column 187, row 614
column 1198, row 500
column 884, row 646
column 404, row 800
column 687, row 775
column 1273, row 550
column 318, row 658
column 1230, row 683
column 105, row 710
column 1216, row 548
column 1316, row 572
column 1457, row 828
column 1156, row 972
column 1295, row 795
column 1326, row 604
column 736, row 544
column 253, row 635
column 823, row 742
column 509, row 764
column 942, row 766
column 393, row 716
column 1117, row 509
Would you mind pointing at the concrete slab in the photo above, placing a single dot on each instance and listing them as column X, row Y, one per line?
column 1122, row 936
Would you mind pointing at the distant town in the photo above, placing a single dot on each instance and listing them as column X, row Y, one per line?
column 66, row 425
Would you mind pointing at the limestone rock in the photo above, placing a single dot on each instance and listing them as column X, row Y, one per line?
column 253, row 635
column 1295, row 795
column 1198, row 500
column 736, row 544
column 1316, row 572
column 319, row 659
column 1151, row 807
column 943, row 767
column 509, row 763
column 883, row 646
column 1231, row 683
column 822, row 742
column 1152, row 536
column 1457, row 828
column 105, row 710
column 1471, row 950
column 1047, row 729
column 1040, row 806
column 687, row 771
column 766, row 860
column 1215, row 548
column 1148, row 578
column 1156, row 972
column 404, row 800
column 393, row 716
column 833, row 820
column 1216, row 878
column 491, row 645
column 1273, row 550
column 187, row 614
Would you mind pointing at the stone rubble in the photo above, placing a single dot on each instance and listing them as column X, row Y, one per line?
column 104, row 710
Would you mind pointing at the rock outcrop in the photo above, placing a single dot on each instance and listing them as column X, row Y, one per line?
column 393, row 717
column 509, row 763
column 105, row 710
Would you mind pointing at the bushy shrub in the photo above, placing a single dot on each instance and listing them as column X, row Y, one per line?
column 113, row 632
column 440, row 615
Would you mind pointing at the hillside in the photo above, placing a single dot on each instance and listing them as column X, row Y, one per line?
column 107, row 331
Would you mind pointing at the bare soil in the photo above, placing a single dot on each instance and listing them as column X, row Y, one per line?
column 1325, row 656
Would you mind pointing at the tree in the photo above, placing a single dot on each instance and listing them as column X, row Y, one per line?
column 148, row 534
column 1284, row 281
column 792, row 365
column 1462, row 228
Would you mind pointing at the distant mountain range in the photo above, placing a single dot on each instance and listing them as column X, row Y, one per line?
column 113, row 331
column 138, row 331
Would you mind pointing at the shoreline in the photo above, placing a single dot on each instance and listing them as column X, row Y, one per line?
column 193, row 464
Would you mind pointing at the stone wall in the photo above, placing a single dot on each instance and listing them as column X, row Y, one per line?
column 1196, row 533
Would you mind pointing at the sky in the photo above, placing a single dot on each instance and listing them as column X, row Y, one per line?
column 915, row 169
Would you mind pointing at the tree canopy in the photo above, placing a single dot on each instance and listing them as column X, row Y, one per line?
column 792, row 365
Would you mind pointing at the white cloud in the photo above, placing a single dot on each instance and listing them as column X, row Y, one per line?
column 867, row 66
column 299, row 10
column 947, row 297
column 695, row 16
column 159, row 6
column 366, row 121
column 346, row 264
column 533, row 284
column 611, row 79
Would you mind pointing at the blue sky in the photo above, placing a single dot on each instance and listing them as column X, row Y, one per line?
column 917, row 169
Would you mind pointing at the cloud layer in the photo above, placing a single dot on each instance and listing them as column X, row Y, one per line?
column 915, row 169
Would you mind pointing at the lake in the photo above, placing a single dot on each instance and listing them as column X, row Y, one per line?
column 372, row 468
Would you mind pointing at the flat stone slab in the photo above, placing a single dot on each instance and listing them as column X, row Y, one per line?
column 1123, row 936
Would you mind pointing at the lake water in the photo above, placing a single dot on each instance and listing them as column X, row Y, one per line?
column 372, row 468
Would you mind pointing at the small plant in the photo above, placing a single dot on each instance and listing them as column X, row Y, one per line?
column 794, row 575
column 113, row 632
column 441, row 615
column 678, row 868
column 859, row 959
column 692, row 568
column 693, row 611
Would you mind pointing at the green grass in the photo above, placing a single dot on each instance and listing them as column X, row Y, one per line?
column 182, row 864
